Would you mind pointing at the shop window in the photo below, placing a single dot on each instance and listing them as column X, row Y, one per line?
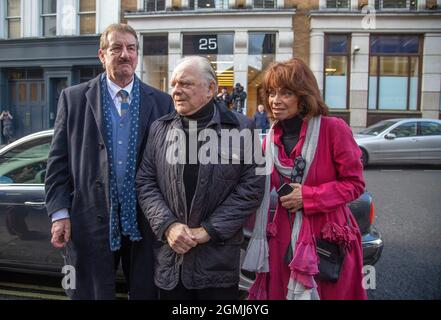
column 87, row 16
column 13, row 18
column 261, row 53
column 218, row 49
column 49, row 17
column 394, row 73
column 337, row 58
column 155, row 61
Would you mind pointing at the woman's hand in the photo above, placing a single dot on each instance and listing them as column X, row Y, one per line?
column 293, row 201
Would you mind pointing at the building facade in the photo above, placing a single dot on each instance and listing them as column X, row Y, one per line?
column 373, row 59
column 46, row 45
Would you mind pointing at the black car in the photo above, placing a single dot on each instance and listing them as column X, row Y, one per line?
column 25, row 227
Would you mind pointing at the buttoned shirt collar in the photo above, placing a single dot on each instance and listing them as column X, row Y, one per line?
column 114, row 88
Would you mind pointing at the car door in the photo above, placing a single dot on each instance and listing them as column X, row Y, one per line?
column 430, row 141
column 24, row 224
column 404, row 147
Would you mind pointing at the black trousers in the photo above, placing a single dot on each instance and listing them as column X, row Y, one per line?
column 136, row 258
column 182, row 293
column 123, row 256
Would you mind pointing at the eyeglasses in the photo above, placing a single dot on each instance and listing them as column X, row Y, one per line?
column 284, row 93
column 298, row 169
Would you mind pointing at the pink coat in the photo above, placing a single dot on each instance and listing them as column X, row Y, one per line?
column 335, row 178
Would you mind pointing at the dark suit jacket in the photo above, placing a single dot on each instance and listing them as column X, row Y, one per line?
column 77, row 178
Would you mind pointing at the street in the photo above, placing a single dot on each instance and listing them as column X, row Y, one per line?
column 408, row 215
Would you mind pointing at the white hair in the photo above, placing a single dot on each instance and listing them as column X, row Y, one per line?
column 204, row 66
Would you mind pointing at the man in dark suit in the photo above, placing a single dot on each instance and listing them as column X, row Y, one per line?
column 100, row 135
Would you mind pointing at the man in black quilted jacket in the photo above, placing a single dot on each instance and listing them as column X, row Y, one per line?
column 196, row 191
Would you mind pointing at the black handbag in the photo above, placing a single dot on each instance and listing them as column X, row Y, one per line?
column 331, row 257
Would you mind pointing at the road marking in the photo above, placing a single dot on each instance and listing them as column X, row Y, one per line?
column 32, row 295
column 432, row 170
column 28, row 286
column 6, row 288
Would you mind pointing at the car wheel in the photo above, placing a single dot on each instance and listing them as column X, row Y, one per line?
column 364, row 158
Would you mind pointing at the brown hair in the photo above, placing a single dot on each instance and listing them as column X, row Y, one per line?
column 116, row 27
column 297, row 77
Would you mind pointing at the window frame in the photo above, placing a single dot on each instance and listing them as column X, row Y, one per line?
column 83, row 13
column 348, row 7
column 380, row 6
column 348, row 67
column 9, row 18
column 156, row 5
column 419, row 55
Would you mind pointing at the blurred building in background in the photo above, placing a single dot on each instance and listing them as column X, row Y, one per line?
column 373, row 59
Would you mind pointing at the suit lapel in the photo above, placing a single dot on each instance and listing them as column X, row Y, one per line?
column 93, row 97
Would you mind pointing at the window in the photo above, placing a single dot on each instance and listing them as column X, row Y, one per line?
column 88, row 73
column 338, row 4
column 26, row 163
column 128, row 6
column 155, row 61
column 264, row 4
column 207, row 4
column 216, row 47
column 261, row 53
column 49, row 17
column 394, row 72
column 405, row 130
column 337, row 62
column 13, row 18
column 87, row 16
column 430, row 128
column 396, row 4
column 154, row 5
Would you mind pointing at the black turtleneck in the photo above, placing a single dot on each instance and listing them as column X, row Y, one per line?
column 291, row 132
column 191, row 170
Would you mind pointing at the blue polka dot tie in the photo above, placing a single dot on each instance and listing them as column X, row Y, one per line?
column 124, row 95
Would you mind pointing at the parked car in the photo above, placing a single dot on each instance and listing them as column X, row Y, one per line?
column 401, row 141
column 25, row 227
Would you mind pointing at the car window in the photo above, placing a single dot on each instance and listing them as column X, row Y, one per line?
column 430, row 128
column 408, row 129
column 376, row 129
column 25, row 163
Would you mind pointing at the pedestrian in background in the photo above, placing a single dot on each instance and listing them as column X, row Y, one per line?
column 238, row 98
column 261, row 119
column 8, row 125
column 224, row 97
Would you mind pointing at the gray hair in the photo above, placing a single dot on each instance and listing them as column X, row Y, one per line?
column 204, row 66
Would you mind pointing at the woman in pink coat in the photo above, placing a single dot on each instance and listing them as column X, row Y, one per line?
column 332, row 178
